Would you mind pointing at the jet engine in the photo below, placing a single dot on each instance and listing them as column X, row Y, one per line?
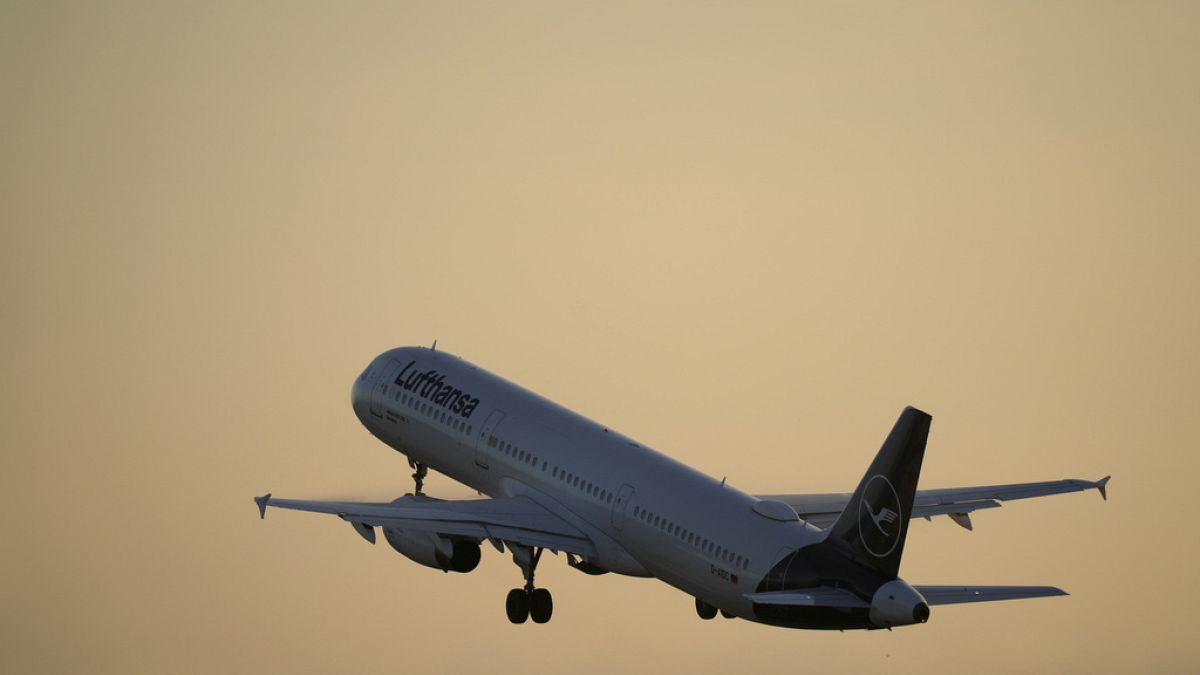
column 898, row 604
column 431, row 550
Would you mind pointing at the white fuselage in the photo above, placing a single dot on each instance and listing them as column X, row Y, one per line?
column 648, row 515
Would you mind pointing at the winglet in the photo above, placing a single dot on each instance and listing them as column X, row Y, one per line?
column 1102, row 486
column 262, row 504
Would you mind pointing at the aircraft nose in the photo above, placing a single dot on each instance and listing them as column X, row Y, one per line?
column 359, row 393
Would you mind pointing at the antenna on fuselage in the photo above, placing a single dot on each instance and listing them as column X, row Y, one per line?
column 434, row 347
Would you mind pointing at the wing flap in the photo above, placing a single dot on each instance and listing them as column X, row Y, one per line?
column 951, row 595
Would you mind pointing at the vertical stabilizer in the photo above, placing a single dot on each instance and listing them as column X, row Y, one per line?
column 874, row 524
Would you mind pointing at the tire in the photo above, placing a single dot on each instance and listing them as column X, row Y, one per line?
column 705, row 610
column 727, row 615
column 517, row 605
column 541, row 605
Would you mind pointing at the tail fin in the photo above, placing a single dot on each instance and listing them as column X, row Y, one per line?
column 874, row 524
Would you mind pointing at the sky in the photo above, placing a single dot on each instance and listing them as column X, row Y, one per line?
column 746, row 234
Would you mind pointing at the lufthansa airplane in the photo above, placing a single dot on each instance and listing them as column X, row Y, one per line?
column 558, row 481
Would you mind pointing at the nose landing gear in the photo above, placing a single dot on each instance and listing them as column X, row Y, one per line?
column 528, row 602
column 419, row 475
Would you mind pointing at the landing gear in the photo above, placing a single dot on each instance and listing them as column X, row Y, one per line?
column 705, row 610
column 528, row 602
column 419, row 476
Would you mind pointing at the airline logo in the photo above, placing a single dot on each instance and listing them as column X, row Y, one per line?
column 431, row 386
column 879, row 520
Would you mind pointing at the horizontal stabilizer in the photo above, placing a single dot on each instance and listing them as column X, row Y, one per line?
column 952, row 595
column 808, row 597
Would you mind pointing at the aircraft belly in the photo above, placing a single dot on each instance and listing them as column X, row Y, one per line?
column 695, row 575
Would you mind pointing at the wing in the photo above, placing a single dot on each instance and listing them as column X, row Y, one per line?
column 823, row 510
column 518, row 520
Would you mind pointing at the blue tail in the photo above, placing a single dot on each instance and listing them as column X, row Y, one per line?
column 874, row 524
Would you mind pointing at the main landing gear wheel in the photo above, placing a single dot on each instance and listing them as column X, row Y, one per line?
column 705, row 610
column 529, row 602
column 517, row 605
column 541, row 605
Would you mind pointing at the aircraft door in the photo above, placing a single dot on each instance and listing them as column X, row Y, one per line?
column 381, row 384
column 620, row 503
column 487, row 437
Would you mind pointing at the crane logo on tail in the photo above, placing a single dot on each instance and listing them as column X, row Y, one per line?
column 879, row 520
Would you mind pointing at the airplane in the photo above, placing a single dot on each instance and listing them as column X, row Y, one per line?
column 555, row 480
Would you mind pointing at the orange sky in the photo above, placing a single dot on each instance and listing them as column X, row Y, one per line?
column 745, row 235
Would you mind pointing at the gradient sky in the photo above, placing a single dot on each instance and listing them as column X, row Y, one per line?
column 745, row 234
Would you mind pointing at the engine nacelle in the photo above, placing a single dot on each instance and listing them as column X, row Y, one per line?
column 898, row 604
column 431, row 550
